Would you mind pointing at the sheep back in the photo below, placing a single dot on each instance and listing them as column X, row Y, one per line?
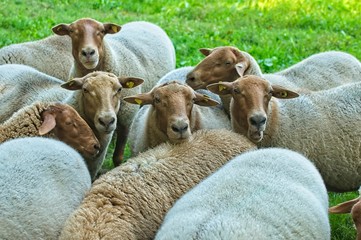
column 55, row 51
column 129, row 202
column 42, row 181
column 263, row 194
column 142, row 50
column 26, row 85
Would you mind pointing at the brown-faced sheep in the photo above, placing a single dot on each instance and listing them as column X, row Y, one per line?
column 320, row 124
column 171, row 112
column 55, row 120
column 130, row 201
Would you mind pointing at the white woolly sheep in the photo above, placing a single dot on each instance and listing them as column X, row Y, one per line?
column 42, row 182
column 318, row 72
column 130, row 201
column 320, row 124
column 354, row 207
column 55, row 120
column 264, row 194
column 140, row 49
column 51, row 55
column 172, row 111
column 97, row 102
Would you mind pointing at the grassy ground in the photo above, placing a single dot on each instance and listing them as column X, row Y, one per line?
column 278, row 33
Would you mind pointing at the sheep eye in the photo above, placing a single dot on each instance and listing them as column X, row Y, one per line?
column 85, row 90
column 119, row 90
column 227, row 63
column 237, row 91
column 68, row 122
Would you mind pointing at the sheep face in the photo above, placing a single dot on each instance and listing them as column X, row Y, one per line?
column 250, row 102
column 101, row 98
column 69, row 127
column 218, row 66
column 172, row 108
column 87, row 39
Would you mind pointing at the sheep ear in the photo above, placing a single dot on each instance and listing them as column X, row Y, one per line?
column 140, row 99
column 61, row 29
column 74, row 84
column 240, row 68
column 111, row 28
column 344, row 207
column 221, row 88
column 130, row 82
column 281, row 92
column 204, row 100
column 205, row 51
column 48, row 123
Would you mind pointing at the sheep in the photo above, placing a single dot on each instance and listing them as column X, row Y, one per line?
column 42, row 182
column 130, row 201
column 264, row 194
column 51, row 55
column 54, row 120
column 140, row 49
column 172, row 111
column 318, row 72
column 320, row 124
column 353, row 207
column 96, row 97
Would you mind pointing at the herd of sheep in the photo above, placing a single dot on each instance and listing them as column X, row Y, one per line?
column 219, row 150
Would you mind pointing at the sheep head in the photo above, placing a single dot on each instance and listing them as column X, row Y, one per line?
column 67, row 125
column 172, row 108
column 218, row 65
column 101, row 94
column 87, row 39
column 251, row 96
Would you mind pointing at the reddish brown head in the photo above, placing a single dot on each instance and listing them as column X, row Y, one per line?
column 218, row 65
column 249, row 108
column 87, row 39
column 67, row 125
column 173, row 103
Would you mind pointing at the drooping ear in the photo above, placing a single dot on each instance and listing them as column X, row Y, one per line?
column 344, row 207
column 241, row 68
column 205, row 51
column 221, row 88
column 140, row 99
column 111, row 28
column 130, row 82
column 74, row 84
column 284, row 93
column 204, row 100
column 61, row 29
column 48, row 123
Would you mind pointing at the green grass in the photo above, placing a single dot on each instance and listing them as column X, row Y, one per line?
column 278, row 33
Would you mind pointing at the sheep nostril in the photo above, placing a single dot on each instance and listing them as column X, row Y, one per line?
column 92, row 52
column 83, row 53
column 97, row 147
column 180, row 129
column 257, row 121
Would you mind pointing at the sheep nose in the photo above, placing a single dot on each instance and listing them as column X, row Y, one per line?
column 97, row 146
column 180, row 128
column 88, row 52
column 258, row 120
column 106, row 121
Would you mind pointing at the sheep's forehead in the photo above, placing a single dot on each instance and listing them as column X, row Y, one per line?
column 252, row 85
column 86, row 22
column 102, row 82
column 173, row 88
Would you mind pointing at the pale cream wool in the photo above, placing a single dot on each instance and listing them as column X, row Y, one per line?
column 130, row 201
